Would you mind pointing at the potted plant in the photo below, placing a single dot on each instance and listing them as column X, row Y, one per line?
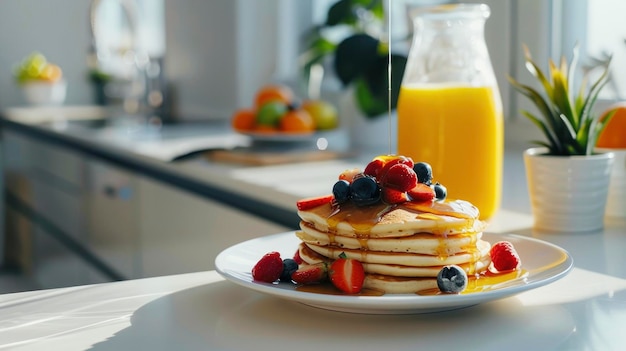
column 360, row 57
column 567, row 180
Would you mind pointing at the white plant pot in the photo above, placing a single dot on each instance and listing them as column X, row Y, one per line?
column 568, row 193
column 42, row 93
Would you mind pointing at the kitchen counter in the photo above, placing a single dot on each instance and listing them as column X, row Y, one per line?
column 173, row 153
column 201, row 311
column 585, row 310
column 269, row 192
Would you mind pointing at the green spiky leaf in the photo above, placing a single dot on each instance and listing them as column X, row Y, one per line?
column 567, row 121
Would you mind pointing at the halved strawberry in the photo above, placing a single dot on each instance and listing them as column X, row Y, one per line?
column 504, row 257
column 393, row 196
column 421, row 192
column 310, row 273
column 374, row 167
column 297, row 258
column 401, row 177
column 347, row 274
column 312, row 202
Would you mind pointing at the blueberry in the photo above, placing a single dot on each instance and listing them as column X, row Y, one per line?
column 424, row 172
column 289, row 266
column 341, row 191
column 440, row 191
column 365, row 191
column 452, row 279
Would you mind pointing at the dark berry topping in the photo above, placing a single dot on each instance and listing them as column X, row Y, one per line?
column 424, row 172
column 289, row 266
column 452, row 279
column 341, row 191
column 440, row 191
column 365, row 191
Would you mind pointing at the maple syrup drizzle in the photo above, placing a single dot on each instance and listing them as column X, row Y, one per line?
column 389, row 69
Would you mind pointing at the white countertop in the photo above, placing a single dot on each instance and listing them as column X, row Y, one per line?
column 586, row 310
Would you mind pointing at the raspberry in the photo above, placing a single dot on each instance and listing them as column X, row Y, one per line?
column 504, row 257
column 269, row 268
column 400, row 177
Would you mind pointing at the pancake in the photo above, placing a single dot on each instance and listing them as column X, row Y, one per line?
column 402, row 242
column 312, row 257
column 383, row 221
column 421, row 243
column 396, row 285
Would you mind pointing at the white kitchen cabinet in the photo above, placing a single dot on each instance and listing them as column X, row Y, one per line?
column 113, row 218
column 49, row 181
column 90, row 220
column 182, row 232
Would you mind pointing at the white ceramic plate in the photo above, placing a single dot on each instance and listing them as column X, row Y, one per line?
column 543, row 262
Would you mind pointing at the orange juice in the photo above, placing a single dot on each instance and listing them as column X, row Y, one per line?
column 459, row 131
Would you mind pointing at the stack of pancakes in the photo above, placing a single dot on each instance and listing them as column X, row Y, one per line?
column 402, row 247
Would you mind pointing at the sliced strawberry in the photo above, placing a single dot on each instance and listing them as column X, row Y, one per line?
column 347, row 275
column 421, row 193
column 504, row 257
column 373, row 168
column 297, row 258
column 310, row 273
column 268, row 268
column 312, row 202
column 349, row 174
column 393, row 196
column 401, row 177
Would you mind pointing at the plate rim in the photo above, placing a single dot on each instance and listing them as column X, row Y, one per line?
column 397, row 303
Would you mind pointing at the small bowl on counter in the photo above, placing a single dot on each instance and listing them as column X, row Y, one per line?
column 44, row 93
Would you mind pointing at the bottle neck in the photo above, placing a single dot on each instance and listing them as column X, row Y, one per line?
column 450, row 50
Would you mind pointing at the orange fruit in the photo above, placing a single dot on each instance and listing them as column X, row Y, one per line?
column 244, row 120
column 274, row 92
column 324, row 114
column 297, row 121
column 51, row 72
column 614, row 134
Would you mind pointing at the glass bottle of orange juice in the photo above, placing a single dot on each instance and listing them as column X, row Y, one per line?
column 449, row 108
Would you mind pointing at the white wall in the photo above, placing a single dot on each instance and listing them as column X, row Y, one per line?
column 220, row 52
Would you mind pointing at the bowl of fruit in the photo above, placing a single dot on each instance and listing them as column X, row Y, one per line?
column 278, row 115
column 41, row 82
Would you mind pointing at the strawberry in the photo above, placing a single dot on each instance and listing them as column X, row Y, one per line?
column 347, row 274
column 390, row 161
column 349, row 174
column 373, row 168
column 393, row 196
column 310, row 273
column 400, row 176
column 504, row 257
column 269, row 268
column 421, row 193
column 312, row 202
column 297, row 258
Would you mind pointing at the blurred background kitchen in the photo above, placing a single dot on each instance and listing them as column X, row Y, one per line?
column 193, row 60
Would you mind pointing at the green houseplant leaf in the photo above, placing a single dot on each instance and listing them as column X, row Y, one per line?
column 568, row 122
column 359, row 59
